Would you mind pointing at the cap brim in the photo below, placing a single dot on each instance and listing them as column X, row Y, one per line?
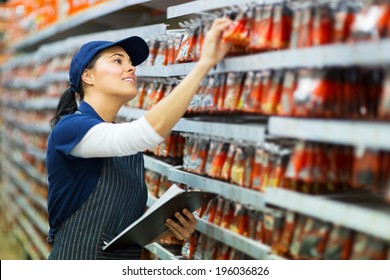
column 135, row 47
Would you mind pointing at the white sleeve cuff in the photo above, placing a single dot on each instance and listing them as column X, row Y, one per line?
column 123, row 139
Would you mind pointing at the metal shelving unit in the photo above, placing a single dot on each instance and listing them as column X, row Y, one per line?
column 70, row 24
column 364, row 213
column 233, row 192
column 254, row 133
column 357, row 133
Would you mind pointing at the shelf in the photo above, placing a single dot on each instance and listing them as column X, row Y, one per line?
column 363, row 214
column 157, row 165
column 78, row 23
column 357, row 133
column 194, row 7
column 250, row 247
column 165, row 71
column 42, row 103
column 161, row 252
column 233, row 192
column 245, row 132
column 32, row 215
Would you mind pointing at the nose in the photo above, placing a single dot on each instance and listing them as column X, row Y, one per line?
column 131, row 68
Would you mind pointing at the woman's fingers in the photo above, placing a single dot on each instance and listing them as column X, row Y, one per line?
column 185, row 226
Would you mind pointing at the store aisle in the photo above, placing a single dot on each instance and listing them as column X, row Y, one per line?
column 10, row 249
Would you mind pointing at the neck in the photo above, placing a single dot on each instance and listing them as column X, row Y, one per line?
column 107, row 108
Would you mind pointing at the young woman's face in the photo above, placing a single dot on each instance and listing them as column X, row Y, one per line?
column 114, row 74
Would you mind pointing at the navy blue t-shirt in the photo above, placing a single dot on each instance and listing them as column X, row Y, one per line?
column 71, row 179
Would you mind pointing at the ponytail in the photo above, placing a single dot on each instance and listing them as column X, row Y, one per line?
column 66, row 106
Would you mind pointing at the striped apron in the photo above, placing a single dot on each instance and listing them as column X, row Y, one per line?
column 118, row 200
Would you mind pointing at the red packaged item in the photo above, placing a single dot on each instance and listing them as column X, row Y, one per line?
column 227, row 165
column 366, row 170
column 279, row 167
column 187, row 47
column 295, row 29
column 343, row 19
column 371, row 23
column 219, row 211
column 323, row 23
column 158, row 95
column 339, row 244
column 286, row 107
column 269, row 226
column 210, row 249
column 252, row 101
column 189, row 145
column 149, row 94
column 305, row 33
column 233, row 90
column 171, row 49
column 246, row 90
column 239, row 31
column 219, row 160
column 271, row 105
column 141, row 93
column 153, row 49
column 162, row 53
column 261, row 32
column 200, row 246
column 266, row 83
column 281, row 26
column 222, row 93
column 165, row 184
column 209, row 101
column 152, row 181
column 196, row 103
column 313, row 239
column 257, row 170
column 199, row 156
column 227, row 214
column 240, row 220
column 189, row 246
column 223, row 252
column 283, row 246
column 211, row 155
column 249, row 162
column 254, row 218
column 210, row 211
column 237, row 175
column 367, row 247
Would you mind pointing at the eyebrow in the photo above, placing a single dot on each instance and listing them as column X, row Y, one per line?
column 121, row 55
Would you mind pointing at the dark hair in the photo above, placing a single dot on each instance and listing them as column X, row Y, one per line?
column 67, row 104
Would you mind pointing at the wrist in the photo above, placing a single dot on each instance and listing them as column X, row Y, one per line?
column 205, row 64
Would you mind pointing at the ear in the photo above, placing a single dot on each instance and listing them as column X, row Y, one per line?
column 87, row 77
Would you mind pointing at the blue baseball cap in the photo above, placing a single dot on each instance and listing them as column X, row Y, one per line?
column 134, row 46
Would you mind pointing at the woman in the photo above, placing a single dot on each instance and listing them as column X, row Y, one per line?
column 95, row 167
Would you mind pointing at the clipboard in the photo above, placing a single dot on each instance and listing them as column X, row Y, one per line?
column 152, row 223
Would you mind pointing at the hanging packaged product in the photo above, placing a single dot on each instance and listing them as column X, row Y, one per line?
column 344, row 17
column 384, row 103
column 161, row 58
column 153, row 44
column 286, row 107
column 282, row 247
column 296, row 26
column 199, row 156
column 189, row 246
column 367, row 247
column 281, row 26
column 260, row 38
column 187, row 48
column 371, row 23
column 313, row 239
column 246, row 90
column 227, row 214
column 273, row 226
column 255, row 217
column 209, row 100
column 219, row 160
column 279, row 166
column 366, row 169
column 273, row 95
column 305, row 32
column 242, row 166
column 227, row 165
column 219, row 211
column 152, row 181
column 149, row 94
column 323, row 22
column 339, row 244
column 240, row 220
column 210, row 210
column 187, row 151
column 213, row 145
column 234, row 83
column 257, row 170
column 223, row 252
column 238, row 33
column 252, row 101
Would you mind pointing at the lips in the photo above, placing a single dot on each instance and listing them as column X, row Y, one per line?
column 130, row 79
